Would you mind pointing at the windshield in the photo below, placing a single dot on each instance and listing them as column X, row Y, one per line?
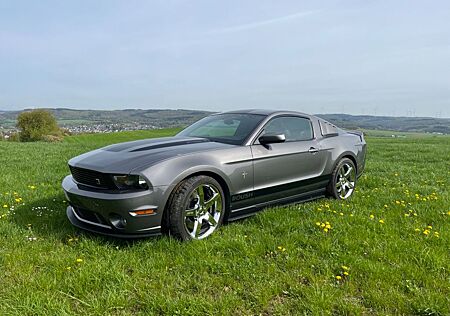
column 231, row 128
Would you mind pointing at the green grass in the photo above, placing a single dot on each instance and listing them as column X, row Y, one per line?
column 277, row 262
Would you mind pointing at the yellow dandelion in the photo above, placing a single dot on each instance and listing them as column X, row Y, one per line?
column 430, row 227
column 345, row 268
column 32, row 187
column 318, row 223
column 381, row 221
column 406, row 214
column 5, row 205
column 325, row 230
column 345, row 273
column 417, row 229
column 426, row 232
column 79, row 260
column 68, row 268
column 385, row 206
column 342, row 214
column 338, row 277
column 372, row 216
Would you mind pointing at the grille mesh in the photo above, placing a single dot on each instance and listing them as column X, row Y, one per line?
column 92, row 178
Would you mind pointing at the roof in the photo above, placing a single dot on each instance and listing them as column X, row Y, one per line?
column 264, row 112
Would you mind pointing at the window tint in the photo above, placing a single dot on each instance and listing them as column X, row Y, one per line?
column 227, row 128
column 293, row 128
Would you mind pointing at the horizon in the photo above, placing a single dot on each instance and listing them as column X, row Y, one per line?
column 187, row 109
column 357, row 58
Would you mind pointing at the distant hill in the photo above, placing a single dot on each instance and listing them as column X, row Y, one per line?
column 160, row 118
column 69, row 118
column 399, row 124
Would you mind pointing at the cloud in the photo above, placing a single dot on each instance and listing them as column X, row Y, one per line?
column 254, row 25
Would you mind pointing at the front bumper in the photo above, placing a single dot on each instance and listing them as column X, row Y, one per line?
column 98, row 212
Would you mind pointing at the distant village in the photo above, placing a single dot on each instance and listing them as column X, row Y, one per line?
column 6, row 133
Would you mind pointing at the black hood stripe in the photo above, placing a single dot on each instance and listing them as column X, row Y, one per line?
column 170, row 144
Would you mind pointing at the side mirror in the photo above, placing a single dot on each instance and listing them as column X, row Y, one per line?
column 272, row 139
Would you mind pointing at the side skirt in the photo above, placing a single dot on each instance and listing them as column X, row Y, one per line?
column 299, row 198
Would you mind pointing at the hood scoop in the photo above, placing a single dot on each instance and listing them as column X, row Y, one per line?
column 170, row 144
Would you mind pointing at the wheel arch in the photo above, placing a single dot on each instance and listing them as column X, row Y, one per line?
column 223, row 183
column 348, row 155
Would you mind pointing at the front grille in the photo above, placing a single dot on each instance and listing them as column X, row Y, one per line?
column 92, row 178
column 90, row 216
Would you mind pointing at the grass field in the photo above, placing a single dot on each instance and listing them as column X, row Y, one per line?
column 387, row 251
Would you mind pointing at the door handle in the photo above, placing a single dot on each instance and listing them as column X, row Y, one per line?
column 313, row 150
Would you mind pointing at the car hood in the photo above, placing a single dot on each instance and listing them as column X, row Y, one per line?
column 123, row 157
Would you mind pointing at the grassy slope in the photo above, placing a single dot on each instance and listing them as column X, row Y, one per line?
column 277, row 262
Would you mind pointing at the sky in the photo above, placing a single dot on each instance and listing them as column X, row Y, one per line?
column 355, row 57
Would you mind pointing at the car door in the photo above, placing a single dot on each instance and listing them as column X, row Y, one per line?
column 290, row 168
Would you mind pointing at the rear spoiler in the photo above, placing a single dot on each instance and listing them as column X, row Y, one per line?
column 360, row 134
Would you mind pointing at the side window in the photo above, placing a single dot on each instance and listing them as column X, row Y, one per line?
column 293, row 128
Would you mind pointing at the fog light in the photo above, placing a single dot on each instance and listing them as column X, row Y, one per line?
column 142, row 212
column 117, row 221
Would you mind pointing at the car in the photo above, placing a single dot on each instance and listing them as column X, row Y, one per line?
column 224, row 167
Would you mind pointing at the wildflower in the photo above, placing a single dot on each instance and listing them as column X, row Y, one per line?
column 417, row 229
column 79, row 260
column 426, row 232
column 318, row 223
column 5, row 205
column 345, row 273
column 385, row 206
column 397, row 202
column 345, row 268
column 430, row 227
column 32, row 187
column 342, row 214
column 325, row 230
column 338, row 277
column 68, row 268
column 436, row 234
column 381, row 221
column 372, row 216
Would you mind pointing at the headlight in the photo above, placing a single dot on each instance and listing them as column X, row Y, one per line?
column 130, row 182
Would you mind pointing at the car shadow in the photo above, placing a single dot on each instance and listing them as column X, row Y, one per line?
column 47, row 218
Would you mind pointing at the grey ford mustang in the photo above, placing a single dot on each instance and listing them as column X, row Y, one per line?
column 221, row 168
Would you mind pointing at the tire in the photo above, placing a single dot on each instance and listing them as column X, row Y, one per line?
column 343, row 180
column 196, row 208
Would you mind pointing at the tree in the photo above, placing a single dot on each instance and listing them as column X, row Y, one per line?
column 37, row 125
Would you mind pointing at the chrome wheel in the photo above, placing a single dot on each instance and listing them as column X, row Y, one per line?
column 203, row 211
column 345, row 181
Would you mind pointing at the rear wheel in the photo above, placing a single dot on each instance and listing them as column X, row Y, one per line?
column 343, row 180
column 196, row 208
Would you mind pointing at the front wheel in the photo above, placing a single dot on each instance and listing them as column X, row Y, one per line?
column 196, row 208
column 343, row 180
